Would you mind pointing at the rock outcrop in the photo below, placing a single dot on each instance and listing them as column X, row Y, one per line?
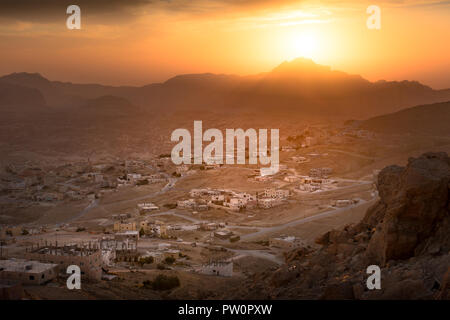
column 406, row 233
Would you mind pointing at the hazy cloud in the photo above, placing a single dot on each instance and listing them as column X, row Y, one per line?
column 46, row 11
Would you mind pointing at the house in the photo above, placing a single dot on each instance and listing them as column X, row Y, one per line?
column 147, row 227
column 246, row 196
column 223, row 234
column 121, row 227
column 133, row 178
column 308, row 187
column 146, row 207
column 87, row 256
column 218, row 198
column 27, row 271
column 209, row 226
column 276, row 193
column 186, row 203
column 291, row 178
column 182, row 169
column 267, row 203
column 128, row 239
column 320, row 172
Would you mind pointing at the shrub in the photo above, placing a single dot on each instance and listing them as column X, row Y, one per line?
column 169, row 260
column 142, row 182
column 160, row 266
column 80, row 229
column 145, row 260
column 25, row 232
column 170, row 205
column 235, row 239
column 162, row 282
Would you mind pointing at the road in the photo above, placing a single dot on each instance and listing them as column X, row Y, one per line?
column 172, row 213
column 266, row 230
column 257, row 254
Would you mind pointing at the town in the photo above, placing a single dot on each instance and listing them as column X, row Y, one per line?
column 115, row 217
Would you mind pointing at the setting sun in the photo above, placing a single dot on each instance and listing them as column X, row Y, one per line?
column 304, row 45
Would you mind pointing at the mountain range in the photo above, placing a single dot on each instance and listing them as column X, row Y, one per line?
column 39, row 114
column 299, row 87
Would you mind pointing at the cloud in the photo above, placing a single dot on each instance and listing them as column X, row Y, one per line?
column 47, row 10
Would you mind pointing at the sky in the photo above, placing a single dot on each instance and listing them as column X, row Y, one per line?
column 136, row 42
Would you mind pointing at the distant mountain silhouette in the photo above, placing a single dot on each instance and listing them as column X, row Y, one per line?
column 298, row 88
column 431, row 119
column 12, row 95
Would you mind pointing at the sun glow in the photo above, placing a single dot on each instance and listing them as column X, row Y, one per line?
column 305, row 44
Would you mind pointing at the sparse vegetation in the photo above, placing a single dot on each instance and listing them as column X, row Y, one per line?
column 169, row 260
column 160, row 266
column 170, row 205
column 142, row 182
column 162, row 282
column 145, row 260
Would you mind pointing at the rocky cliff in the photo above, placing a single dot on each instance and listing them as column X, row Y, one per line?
column 407, row 234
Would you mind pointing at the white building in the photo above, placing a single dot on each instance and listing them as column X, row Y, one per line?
column 186, row 203
column 276, row 193
column 147, row 207
column 28, row 272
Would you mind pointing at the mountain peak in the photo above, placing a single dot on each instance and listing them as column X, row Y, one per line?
column 25, row 78
column 300, row 65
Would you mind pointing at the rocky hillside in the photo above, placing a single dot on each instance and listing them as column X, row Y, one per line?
column 431, row 119
column 407, row 234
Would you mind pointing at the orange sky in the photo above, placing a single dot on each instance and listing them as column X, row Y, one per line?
column 135, row 42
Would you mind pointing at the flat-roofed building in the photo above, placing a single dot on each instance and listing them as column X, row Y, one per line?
column 122, row 227
column 87, row 256
column 28, row 271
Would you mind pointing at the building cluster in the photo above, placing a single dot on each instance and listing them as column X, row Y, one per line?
column 203, row 199
column 87, row 256
column 309, row 184
column 321, row 172
column 32, row 184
